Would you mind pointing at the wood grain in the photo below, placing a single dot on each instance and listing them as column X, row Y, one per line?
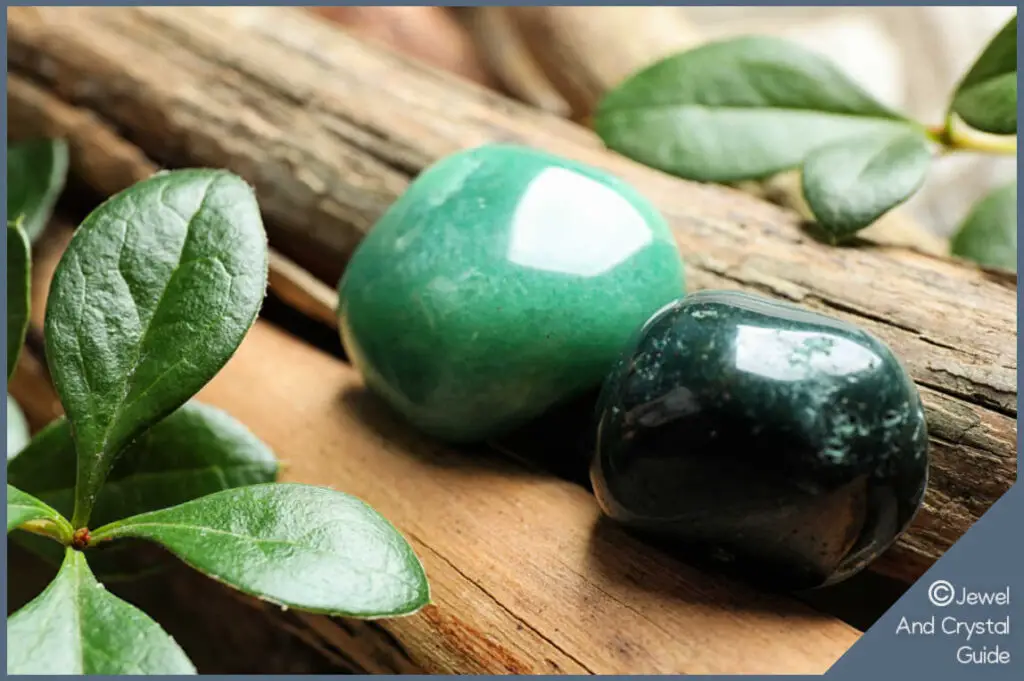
column 586, row 51
column 427, row 33
column 506, row 54
column 525, row 578
column 330, row 131
column 302, row 291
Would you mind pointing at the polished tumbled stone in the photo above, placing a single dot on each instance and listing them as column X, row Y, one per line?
column 787, row 443
column 503, row 281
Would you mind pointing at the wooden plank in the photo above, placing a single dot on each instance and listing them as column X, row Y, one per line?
column 330, row 131
column 525, row 576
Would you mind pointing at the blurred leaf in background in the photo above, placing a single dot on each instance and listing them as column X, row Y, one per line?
column 986, row 99
column 36, row 172
column 738, row 109
column 851, row 183
column 19, row 263
column 19, row 269
column 17, row 428
column 988, row 235
column 748, row 108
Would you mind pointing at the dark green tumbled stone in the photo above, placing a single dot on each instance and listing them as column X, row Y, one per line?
column 789, row 444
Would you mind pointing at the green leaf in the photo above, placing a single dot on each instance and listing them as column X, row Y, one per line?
column 76, row 627
column 851, row 183
column 295, row 545
column 152, row 297
column 988, row 235
column 17, row 429
column 24, row 508
column 196, row 451
column 36, row 172
column 739, row 109
column 19, row 266
column 986, row 98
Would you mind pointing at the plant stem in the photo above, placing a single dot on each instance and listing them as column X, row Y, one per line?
column 59, row 532
column 105, row 533
column 82, row 510
column 952, row 140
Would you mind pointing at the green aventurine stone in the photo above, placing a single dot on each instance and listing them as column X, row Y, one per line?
column 502, row 282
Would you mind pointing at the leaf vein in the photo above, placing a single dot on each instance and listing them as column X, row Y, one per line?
column 126, row 386
column 752, row 108
column 259, row 542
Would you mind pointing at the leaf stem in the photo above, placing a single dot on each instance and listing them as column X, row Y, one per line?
column 105, row 533
column 952, row 140
column 81, row 512
column 1008, row 147
column 59, row 531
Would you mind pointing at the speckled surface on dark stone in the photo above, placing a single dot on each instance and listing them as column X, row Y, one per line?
column 787, row 443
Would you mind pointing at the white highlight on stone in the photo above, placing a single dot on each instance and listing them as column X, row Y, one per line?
column 566, row 222
column 798, row 355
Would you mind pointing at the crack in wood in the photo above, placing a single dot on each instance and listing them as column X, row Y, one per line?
column 505, row 608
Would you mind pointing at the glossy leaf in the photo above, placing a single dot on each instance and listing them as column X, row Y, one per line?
column 988, row 235
column 19, row 266
column 76, row 627
column 738, row 109
column 17, row 429
column 24, row 508
column 197, row 450
column 153, row 295
column 986, row 98
column 295, row 545
column 36, row 172
column 851, row 183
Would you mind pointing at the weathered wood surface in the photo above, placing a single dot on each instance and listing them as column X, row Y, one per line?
column 430, row 34
column 524, row 576
column 330, row 131
column 506, row 54
column 586, row 51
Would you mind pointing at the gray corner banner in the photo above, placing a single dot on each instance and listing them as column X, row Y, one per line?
column 963, row 619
